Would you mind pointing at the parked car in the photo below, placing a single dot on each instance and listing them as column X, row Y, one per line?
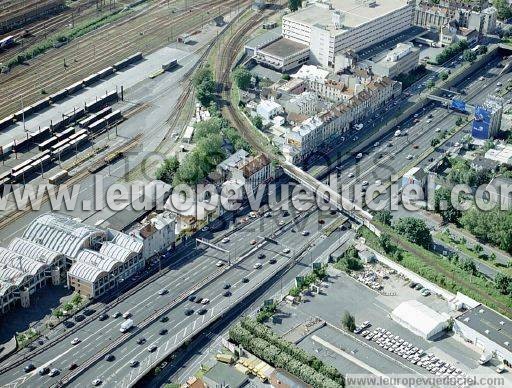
column 29, row 368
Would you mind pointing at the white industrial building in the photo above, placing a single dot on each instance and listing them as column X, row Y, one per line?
column 330, row 28
column 420, row 319
column 267, row 109
column 490, row 331
column 402, row 59
column 282, row 55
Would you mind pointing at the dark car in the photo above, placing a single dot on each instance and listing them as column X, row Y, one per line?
column 227, row 293
column 44, row 371
column 245, row 280
column 162, row 332
column 141, row 340
column 164, row 319
column 72, row 366
column 103, row 316
column 192, row 298
column 201, row 312
column 109, row 357
column 29, row 368
column 412, row 284
column 261, row 256
column 199, row 300
column 189, row 312
column 272, row 261
column 227, row 286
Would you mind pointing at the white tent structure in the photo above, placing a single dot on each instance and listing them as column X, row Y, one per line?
column 419, row 319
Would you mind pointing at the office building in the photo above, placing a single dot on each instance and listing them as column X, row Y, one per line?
column 404, row 58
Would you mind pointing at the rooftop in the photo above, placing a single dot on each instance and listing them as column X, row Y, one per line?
column 225, row 376
column 283, row 48
column 354, row 13
column 490, row 324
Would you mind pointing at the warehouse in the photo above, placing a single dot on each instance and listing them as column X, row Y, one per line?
column 419, row 319
column 282, row 55
column 488, row 330
column 330, row 28
column 98, row 259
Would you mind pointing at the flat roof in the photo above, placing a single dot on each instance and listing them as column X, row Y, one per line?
column 355, row 12
column 490, row 324
column 283, row 48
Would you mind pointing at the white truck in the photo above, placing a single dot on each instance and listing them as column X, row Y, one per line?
column 484, row 358
column 398, row 133
column 126, row 325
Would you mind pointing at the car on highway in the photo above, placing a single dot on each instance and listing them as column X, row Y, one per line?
column 409, row 157
column 365, row 183
column 189, row 312
column 151, row 348
column 378, row 182
column 376, row 144
column 219, row 263
column 305, row 232
column 415, row 146
column 117, row 314
column 163, row 331
column 257, row 266
column 54, row 372
column 205, row 301
column 253, row 242
column 29, row 368
column 286, row 250
column 281, row 223
column 201, row 311
column 96, row 382
column 227, row 293
column 134, row 363
column 163, row 291
column 109, row 357
column 350, row 174
column 245, row 280
column 72, row 366
column 103, row 317
column 261, row 256
column 359, row 155
column 225, row 240
column 198, row 300
column 205, row 229
column 127, row 315
column 227, row 286
column 164, row 319
column 141, row 340
column 272, row 261
column 75, row 341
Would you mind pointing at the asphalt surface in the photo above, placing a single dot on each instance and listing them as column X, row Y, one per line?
column 95, row 335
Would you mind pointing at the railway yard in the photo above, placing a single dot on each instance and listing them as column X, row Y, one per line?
column 144, row 30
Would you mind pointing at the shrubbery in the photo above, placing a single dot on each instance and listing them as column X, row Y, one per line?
column 265, row 344
column 450, row 51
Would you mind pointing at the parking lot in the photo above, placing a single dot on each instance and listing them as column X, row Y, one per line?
column 392, row 349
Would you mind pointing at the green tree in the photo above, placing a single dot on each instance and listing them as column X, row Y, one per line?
column 167, row 170
column 386, row 244
column 443, row 75
column 435, row 142
column 468, row 265
column 348, row 321
column 415, row 230
column 430, row 84
column 294, row 5
column 469, row 56
column 205, row 86
column 503, row 282
column 503, row 9
column 459, row 121
column 444, row 205
column 384, row 217
column 257, row 122
column 242, row 78
column 286, row 77
column 481, row 50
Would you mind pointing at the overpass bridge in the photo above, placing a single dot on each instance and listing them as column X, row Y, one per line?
column 448, row 102
column 342, row 204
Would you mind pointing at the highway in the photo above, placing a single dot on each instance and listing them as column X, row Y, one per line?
column 96, row 335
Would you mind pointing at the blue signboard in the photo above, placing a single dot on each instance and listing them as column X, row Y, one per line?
column 481, row 123
column 458, row 105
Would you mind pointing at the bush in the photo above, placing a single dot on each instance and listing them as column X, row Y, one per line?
column 415, row 230
column 450, row 51
column 348, row 321
column 242, row 78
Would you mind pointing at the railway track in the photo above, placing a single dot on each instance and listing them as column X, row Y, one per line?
column 228, row 55
column 143, row 31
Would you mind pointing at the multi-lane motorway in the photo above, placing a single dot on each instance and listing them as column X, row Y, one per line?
column 96, row 335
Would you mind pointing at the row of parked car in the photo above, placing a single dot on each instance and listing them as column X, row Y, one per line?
column 393, row 343
column 417, row 286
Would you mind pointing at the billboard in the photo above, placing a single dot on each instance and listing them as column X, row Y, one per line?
column 458, row 105
column 481, row 123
